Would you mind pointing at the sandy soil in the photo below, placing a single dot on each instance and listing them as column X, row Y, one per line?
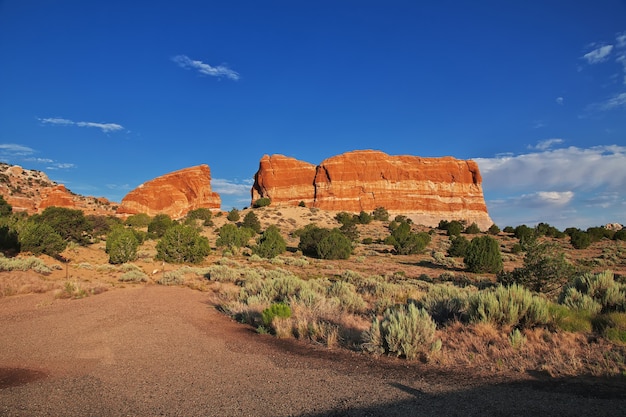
column 165, row 351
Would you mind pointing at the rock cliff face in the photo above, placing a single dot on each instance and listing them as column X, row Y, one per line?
column 174, row 194
column 32, row 191
column 425, row 189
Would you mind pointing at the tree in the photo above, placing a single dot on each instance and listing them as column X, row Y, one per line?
column 458, row 247
column 310, row 235
column 381, row 214
column 70, row 224
column 233, row 237
column 182, row 244
column 334, row 245
column 251, row 221
column 5, row 208
column 233, row 215
column 203, row 214
column 138, row 220
column 9, row 241
column 493, row 229
column 365, row 218
column 524, row 234
column 121, row 245
column 472, row 229
column 483, row 255
column 270, row 244
column 545, row 269
column 580, row 240
column 159, row 225
column 406, row 242
column 38, row 238
column 101, row 225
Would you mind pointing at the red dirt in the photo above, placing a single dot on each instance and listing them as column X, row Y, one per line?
column 152, row 350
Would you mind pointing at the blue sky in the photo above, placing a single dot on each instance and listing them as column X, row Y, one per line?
column 105, row 95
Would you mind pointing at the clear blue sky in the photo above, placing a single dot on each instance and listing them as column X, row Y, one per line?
column 105, row 95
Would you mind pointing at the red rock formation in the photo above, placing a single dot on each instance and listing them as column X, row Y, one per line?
column 425, row 189
column 174, row 194
column 57, row 196
column 284, row 180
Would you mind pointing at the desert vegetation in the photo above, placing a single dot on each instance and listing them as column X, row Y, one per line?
column 516, row 299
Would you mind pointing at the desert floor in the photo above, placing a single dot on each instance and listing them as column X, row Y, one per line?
column 151, row 350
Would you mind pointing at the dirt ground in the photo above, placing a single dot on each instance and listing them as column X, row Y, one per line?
column 165, row 351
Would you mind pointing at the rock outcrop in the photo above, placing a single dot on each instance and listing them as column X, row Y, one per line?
column 32, row 191
column 426, row 190
column 174, row 194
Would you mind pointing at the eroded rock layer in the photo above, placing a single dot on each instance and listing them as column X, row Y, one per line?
column 174, row 194
column 425, row 189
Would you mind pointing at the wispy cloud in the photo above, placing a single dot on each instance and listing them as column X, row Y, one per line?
column 620, row 40
column 230, row 187
column 105, row 127
column 598, row 55
column 546, row 144
column 219, row 71
column 616, row 102
column 60, row 165
column 15, row 149
column 559, row 100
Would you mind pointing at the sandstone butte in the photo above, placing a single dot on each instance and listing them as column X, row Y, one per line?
column 426, row 190
column 174, row 194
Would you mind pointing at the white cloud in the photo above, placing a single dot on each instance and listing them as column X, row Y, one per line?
column 598, row 55
column 14, row 149
column 184, row 61
column 105, row 127
column 229, row 187
column 620, row 40
column 546, row 144
column 562, row 169
column 559, row 100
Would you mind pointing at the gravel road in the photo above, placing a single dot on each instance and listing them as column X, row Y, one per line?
column 163, row 351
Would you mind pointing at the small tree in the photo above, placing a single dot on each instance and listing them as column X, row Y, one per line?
column 233, row 237
column 335, row 245
column 121, row 245
column 182, row 244
column 458, row 247
column 39, row 238
column 472, row 229
column 365, row 218
column 233, row 215
column 493, row 229
column 5, row 208
column 203, row 214
column 380, row 214
column 483, row 255
column 309, row 236
column 580, row 240
column 138, row 220
column 405, row 241
column 71, row 225
column 159, row 225
column 270, row 244
column 251, row 221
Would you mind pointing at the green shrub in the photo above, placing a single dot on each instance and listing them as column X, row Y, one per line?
column 493, row 229
column 261, row 202
column 270, row 244
column 171, row 278
column 280, row 310
column 524, row 234
column 133, row 276
column 138, row 220
column 70, row 224
column 5, row 208
column 233, row 237
column 612, row 326
column 380, row 214
column 9, row 240
column 349, row 299
column 406, row 242
column 452, row 228
column 517, row 339
column 365, row 218
column 445, row 303
column 301, row 204
column 483, row 255
column 595, row 292
column 620, row 235
column 182, row 244
column 405, row 330
column 24, row 264
column 458, row 247
column 40, row 238
column 160, row 224
column 334, row 245
column 233, row 215
column 223, row 273
column 472, row 229
column 508, row 305
column 121, row 245
column 580, row 240
column 545, row 269
column 569, row 320
column 251, row 221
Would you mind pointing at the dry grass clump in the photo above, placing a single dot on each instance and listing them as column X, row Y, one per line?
column 133, row 277
column 24, row 264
